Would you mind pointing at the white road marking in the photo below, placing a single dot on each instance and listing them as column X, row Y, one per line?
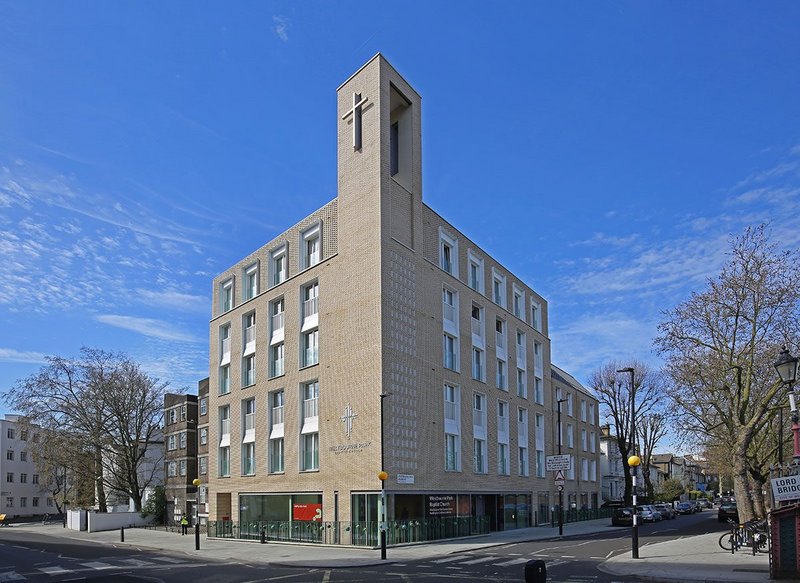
column 137, row 563
column 512, row 562
column 326, row 577
column 57, row 570
column 447, row 559
column 99, row 565
column 479, row 560
column 10, row 576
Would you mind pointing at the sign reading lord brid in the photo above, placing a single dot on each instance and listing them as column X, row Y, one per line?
column 786, row 488
column 442, row 505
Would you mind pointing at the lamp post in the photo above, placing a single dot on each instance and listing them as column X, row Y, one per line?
column 561, row 489
column 634, row 462
column 196, row 482
column 786, row 365
column 383, row 476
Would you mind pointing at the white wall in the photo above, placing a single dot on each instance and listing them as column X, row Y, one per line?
column 76, row 519
column 99, row 521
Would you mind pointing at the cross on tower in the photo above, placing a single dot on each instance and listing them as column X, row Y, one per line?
column 347, row 419
column 356, row 113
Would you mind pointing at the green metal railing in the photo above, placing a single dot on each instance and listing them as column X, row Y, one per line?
column 350, row 533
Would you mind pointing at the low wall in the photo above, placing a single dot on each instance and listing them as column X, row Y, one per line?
column 76, row 519
column 113, row 520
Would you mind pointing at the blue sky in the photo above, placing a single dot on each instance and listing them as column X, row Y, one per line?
column 604, row 152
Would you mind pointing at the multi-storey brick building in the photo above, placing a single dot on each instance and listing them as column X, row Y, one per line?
column 180, row 454
column 375, row 300
column 202, row 449
column 22, row 492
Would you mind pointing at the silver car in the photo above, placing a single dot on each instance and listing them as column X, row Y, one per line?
column 648, row 513
column 666, row 511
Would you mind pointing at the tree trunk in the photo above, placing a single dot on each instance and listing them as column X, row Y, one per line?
column 99, row 487
column 741, row 482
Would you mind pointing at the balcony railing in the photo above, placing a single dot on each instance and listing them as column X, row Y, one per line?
column 478, row 418
column 249, row 334
column 310, row 408
column 501, row 340
column 277, row 322
column 449, row 312
column 277, row 415
column 310, row 307
column 226, row 345
column 276, row 369
column 450, row 411
column 476, row 327
column 520, row 353
column 450, row 360
column 249, row 421
column 310, row 356
column 502, row 424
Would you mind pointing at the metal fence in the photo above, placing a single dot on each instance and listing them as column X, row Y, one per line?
column 350, row 533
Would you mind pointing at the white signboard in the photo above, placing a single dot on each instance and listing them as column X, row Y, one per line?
column 405, row 478
column 558, row 462
column 785, row 489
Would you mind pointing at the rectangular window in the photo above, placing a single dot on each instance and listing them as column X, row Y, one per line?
column 276, row 456
column 250, row 288
column 394, row 148
column 311, row 247
column 592, row 419
column 225, row 379
column 449, row 307
column 23, row 502
column 172, row 443
column 203, row 435
column 249, row 410
column 498, row 288
column 10, row 502
column 276, row 404
column 172, row 469
column 35, row 479
column 518, row 306
column 249, row 333
column 522, row 461
column 592, row 442
column 225, row 344
column 500, row 334
column 450, row 402
column 539, row 463
column 10, row 433
column 278, row 266
column 49, row 502
column 452, row 453
column 479, row 456
column 570, row 410
column 502, row 383
column 522, row 385
column 226, row 295
column 182, row 439
column 310, row 451
column 224, row 461
column 203, row 463
column 522, row 355
column 478, row 411
column 475, row 272
column 538, row 391
column 10, row 455
column 448, row 253
column 248, row 459
column 276, row 360
column 310, row 300
column 503, row 467
column 536, row 316
column 225, row 423
column 478, row 372
column 311, row 400
column 583, row 410
column 249, row 370
column 310, row 345
column 23, row 478
column 570, row 436
column 23, row 456
column 477, row 321
column 203, row 406
column 450, row 352
column 182, row 467
column 584, row 446
column 584, row 469
column 593, row 470
column 35, row 502
column 23, row 435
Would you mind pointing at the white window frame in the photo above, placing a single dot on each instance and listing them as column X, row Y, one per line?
column 250, row 282
column 473, row 259
column 446, row 239
column 277, row 275
column 478, row 361
column 452, row 460
column 226, row 303
column 479, row 465
column 518, row 302
column 310, row 234
column 309, row 351
column 536, row 315
column 455, row 359
column 501, row 279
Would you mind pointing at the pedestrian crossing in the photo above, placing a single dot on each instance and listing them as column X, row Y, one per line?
column 459, row 560
column 58, row 571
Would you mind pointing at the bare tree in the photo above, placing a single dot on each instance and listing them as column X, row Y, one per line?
column 651, row 430
column 108, row 404
column 720, row 345
column 622, row 402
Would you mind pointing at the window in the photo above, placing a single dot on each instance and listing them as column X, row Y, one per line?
column 276, row 312
column 278, row 266
column 536, row 315
column 591, row 414
column 593, row 470
column 311, row 400
column 276, row 456
column 570, row 435
column 276, row 360
column 477, row 364
column 249, row 370
column 203, row 463
column 250, row 288
column 478, row 412
column 583, row 440
column 522, row 461
column 226, row 295
column 310, row 346
column 501, row 375
column 183, row 440
column 522, row 386
column 23, row 456
column 570, row 410
column 498, row 288
column 249, row 411
column 50, row 502
column 203, row 435
column 451, row 402
column 479, row 460
column 225, row 379
column 502, row 420
column 592, row 442
column 449, row 306
column 450, row 352
column 35, row 501
column 23, row 478
column 10, row 433
column 224, row 461
column 10, row 455
column 171, row 443
column 172, row 469
column 172, row 416
column 537, row 356
column 502, row 459
column 311, row 247
column 225, row 422
column 225, row 343
column 475, row 272
column 203, row 406
column 448, row 253
column 394, row 148
column 500, row 334
column 276, row 400
column 248, row 459
column 477, row 320
column 538, row 391
column 539, row 426
column 10, row 502
column 182, row 467
column 584, row 469
column 310, row 300
column 35, row 479
column 518, row 306
column 249, row 333
column 583, row 410
column 310, row 451
column 452, row 452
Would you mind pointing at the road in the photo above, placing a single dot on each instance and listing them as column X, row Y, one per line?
column 29, row 556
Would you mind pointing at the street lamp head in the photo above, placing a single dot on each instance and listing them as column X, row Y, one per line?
column 626, row 369
column 634, row 461
column 786, row 365
column 383, row 476
column 196, row 482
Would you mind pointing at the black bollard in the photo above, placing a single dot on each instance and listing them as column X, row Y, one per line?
column 122, row 534
column 535, row 572
column 263, row 536
column 197, row 536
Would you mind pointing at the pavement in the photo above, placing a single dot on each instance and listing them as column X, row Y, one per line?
column 686, row 559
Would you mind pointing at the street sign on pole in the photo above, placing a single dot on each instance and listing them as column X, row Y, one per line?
column 558, row 462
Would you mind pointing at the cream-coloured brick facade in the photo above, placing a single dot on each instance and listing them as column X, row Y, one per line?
column 381, row 325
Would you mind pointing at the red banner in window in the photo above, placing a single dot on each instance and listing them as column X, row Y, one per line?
column 311, row 512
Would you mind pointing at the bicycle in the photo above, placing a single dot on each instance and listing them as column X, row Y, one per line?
column 753, row 534
column 45, row 519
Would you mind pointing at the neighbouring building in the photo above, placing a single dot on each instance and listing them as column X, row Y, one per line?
column 202, row 449
column 180, row 455
column 22, row 492
column 372, row 329
column 579, row 438
column 612, row 475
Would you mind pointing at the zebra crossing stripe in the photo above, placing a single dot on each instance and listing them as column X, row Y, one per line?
column 10, row 576
column 98, row 565
column 480, row 560
column 56, row 570
column 512, row 562
column 447, row 559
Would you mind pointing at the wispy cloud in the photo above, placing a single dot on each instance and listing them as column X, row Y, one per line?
column 14, row 355
column 281, row 26
column 147, row 327
column 175, row 300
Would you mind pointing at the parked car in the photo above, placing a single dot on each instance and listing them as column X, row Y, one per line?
column 666, row 511
column 685, row 508
column 698, row 506
column 613, row 504
column 728, row 510
column 648, row 513
column 706, row 503
column 622, row 516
